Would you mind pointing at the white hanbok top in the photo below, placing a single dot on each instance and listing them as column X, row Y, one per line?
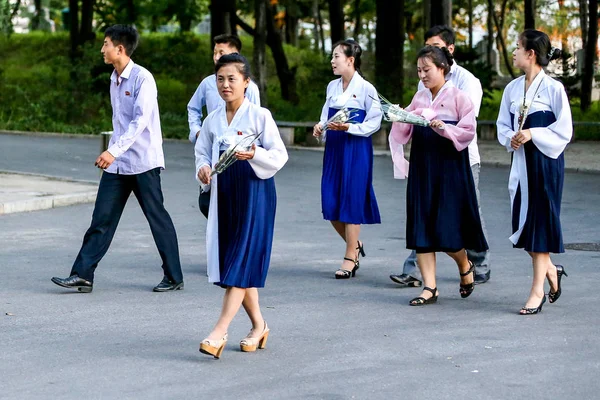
column 549, row 95
column 269, row 157
column 359, row 94
column 468, row 83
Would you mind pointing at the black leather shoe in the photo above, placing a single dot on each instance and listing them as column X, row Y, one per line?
column 74, row 282
column 406, row 280
column 482, row 278
column 167, row 285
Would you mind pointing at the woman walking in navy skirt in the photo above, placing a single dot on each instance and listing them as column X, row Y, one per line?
column 535, row 125
column 347, row 195
column 241, row 216
column 441, row 203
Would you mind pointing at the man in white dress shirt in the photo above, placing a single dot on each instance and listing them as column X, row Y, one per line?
column 443, row 36
column 132, row 163
column 207, row 95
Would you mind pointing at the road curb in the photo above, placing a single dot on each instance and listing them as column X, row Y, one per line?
column 51, row 201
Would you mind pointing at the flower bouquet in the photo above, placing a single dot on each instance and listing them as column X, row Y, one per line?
column 343, row 115
column 228, row 157
column 394, row 113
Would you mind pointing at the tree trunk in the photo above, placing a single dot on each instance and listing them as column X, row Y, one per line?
column 74, row 26
column 589, row 58
column 321, row 30
column 259, row 57
column 470, row 25
column 357, row 21
column 286, row 75
column 564, row 45
column 131, row 12
column 490, row 29
column 583, row 21
column 86, row 33
column 37, row 17
column 389, row 48
column 440, row 13
column 291, row 22
column 222, row 17
column 336, row 21
column 426, row 14
column 530, row 14
column 500, row 37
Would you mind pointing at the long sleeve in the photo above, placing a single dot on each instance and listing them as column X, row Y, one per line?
column 203, row 149
column 553, row 139
column 463, row 132
column 194, row 109
column 372, row 121
column 400, row 134
column 325, row 109
column 145, row 100
column 504, row 122
column 272, row 156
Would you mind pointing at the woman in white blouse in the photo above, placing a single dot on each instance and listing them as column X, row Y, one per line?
column 535, row 125
column 241, row 216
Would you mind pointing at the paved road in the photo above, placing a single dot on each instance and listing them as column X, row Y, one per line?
column 330, row 339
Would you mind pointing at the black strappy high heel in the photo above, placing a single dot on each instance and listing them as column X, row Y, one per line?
column 360, row 248
column 346, row 274
column 421, row 301
column 553, row 296
column 533, row 310
column 466, row 290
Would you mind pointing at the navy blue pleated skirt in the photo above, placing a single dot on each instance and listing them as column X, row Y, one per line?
column 347, row 193
column 441, row 203
column 246, row 220
column 542, row 232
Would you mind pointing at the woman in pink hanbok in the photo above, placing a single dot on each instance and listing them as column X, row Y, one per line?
column 441, row 204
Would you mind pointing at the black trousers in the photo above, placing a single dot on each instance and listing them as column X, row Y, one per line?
column 204, row 202
column 113, row 192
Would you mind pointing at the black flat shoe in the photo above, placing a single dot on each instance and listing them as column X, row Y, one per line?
column 167, row 285
column 466, row 290
column 74, row 282
column 481, row 278
column 406, row 280
column 346, row 273
column 535, row 310
column 421, row 301
column 553, row 296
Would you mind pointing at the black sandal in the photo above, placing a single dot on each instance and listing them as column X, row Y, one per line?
column 421, row 301
column 533, row 310
column 466, row 290
column 360, row 249
column 346, row 274
column 553, row 296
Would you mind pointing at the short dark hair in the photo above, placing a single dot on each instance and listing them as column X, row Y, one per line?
column 231, row 40
column 443, row 31
column 351, row 49
column 125, row 35
column 243, row 66
column 539, row 42
column 439, row 56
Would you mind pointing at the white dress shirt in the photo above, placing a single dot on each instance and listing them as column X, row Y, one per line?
column 136, row 142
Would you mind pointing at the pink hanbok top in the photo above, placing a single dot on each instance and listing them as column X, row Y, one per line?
column 450, row 104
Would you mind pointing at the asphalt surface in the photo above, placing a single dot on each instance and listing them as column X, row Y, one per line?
column 329, row 339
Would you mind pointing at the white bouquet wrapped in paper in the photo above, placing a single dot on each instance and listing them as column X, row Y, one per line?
column 244, row 143
column 394, row 113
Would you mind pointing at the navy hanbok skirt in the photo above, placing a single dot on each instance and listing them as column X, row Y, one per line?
column 542, row 232
column 441, row 203
column 347, row 193
column 246, row 220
